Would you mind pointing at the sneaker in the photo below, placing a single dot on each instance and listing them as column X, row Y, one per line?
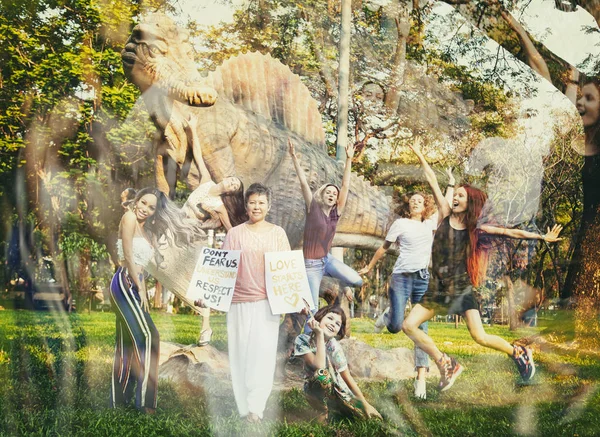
column 382, row 321
column 523, row 358
column 420, row 389
column 449, row 372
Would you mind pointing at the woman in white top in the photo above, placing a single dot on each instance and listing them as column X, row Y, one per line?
column 214, row 203
column 413, row 233
column 137, row 344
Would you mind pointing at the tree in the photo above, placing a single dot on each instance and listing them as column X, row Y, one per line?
column 63, row 93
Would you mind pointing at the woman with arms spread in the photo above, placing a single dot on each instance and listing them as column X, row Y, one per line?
column 410, row 277
column 323, row 211
column 252, row 330
column 137, row 350
column 459, row 263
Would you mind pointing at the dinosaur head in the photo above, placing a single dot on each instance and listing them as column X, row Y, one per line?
column 158, row 53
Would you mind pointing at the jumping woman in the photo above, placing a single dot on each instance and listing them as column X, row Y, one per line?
column 410, row 277
column 323, row 211
column 459, row 263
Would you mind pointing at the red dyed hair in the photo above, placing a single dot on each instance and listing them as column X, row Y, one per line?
column 477, row 255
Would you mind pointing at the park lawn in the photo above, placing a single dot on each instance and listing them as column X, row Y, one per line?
column 55, row 380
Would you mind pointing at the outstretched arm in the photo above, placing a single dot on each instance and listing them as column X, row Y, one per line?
column 196, row 148
column 316, row 360
column 345, row 188
column 441, row 202
column 306, row 193
column 224, row 217
column 379, row 253
column 551, row 236
column 451, row 186
column 353, row 386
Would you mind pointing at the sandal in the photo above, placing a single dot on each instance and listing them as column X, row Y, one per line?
column 205, row 337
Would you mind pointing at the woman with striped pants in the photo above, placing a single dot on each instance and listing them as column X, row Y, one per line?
column 137, row 341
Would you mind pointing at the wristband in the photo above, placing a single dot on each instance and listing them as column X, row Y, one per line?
column 451, row 185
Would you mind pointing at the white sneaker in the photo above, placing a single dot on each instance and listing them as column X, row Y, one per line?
column 382, row 321
column 420, row 389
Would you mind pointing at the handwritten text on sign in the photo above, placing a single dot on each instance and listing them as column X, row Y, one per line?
column 214, row 278
column 286, row 281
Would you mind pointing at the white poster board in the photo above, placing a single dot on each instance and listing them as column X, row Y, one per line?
column 287, row 283
column 214, row 278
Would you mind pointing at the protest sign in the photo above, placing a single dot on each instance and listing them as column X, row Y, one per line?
column 286, row 280
column 214, row 278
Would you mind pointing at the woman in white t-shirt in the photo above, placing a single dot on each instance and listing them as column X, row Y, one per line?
column 410, row 278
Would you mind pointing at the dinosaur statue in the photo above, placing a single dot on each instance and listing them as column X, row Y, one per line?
column 244, row 132
column 157, row 58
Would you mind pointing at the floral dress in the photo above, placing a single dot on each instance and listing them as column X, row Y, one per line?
column 325, row 388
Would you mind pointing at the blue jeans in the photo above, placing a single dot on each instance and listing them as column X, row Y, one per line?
column 405, row 286
column 317, row 268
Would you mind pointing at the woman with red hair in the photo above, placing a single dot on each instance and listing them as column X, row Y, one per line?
column 459, row 263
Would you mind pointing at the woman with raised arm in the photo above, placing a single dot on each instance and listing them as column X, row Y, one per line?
column 214, row 205
column 323, row 211
column 223, row 202
column 152, row 217
column 459, row 263
column 413, row 233
column 252, row 329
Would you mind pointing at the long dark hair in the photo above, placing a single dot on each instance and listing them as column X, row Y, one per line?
column 592, row 133
column 478, row 251
column 168, row 220
column 333, row 309
column 235, row 205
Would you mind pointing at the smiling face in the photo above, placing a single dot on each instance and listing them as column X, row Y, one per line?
column 257, row 207
column 459, row 201
column 330, row 196
column 588, row 105
column 331, row 324
column 231, row 184
column 145, row 207
column 416, row 205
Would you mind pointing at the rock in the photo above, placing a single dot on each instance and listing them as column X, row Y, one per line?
column 365, row 361
column 167, row 349
column 202, row 367
column 208, row 368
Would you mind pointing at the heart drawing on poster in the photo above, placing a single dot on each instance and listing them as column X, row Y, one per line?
column 293, row 299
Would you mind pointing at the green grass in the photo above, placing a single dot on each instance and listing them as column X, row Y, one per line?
column 55, row 380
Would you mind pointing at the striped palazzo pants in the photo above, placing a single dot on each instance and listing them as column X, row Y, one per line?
column 137, row 347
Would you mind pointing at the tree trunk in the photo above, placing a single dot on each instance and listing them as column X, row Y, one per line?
column 343, row 81
column 392, row 97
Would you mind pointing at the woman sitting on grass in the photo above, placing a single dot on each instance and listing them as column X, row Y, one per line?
column 329, row 386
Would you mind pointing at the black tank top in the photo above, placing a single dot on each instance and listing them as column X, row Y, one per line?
column 449, row 259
